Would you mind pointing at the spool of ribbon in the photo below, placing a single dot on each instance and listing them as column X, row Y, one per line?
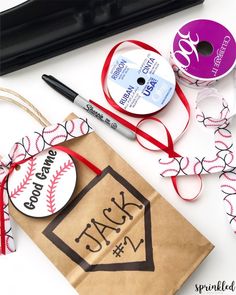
column 140, row 82
column 222, row 162
column 203, row 52
column 140, row 133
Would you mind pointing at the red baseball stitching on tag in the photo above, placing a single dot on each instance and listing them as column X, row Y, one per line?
column 12, row 155
column 29, row 143
column 5, row 202
column 54, row 181
column 230, row 205
column 81, row 127
column 8, row 244
column 211, row 161
column 169, row 170
column 229, row 135
column 73, row 127
column 195, row 167
column 167, row 163
column 56, row 137
column 214, row 167
column 227, row 177
column 222, row 143
column 187, row 164
column 28, row 176
column 7, row 218
column 228, row 186
column 46, row 130
column 37, row 141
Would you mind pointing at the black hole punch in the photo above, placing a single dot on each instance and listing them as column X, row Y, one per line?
column 204, row 48
column 141, row 81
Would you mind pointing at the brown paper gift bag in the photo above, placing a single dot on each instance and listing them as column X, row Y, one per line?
column 117, row 235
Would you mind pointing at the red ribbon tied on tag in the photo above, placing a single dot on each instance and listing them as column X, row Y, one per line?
column 21, row 152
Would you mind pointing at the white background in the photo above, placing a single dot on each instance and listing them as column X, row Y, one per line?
column 28, row 271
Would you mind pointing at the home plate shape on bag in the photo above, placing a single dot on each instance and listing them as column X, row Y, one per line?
column 111, row 228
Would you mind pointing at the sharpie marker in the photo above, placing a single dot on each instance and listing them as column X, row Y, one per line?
column 88, row 106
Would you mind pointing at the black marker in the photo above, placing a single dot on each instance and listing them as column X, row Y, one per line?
column 87, row 106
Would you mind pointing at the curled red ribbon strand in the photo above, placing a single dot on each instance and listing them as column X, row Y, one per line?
column 166, row 148
column 2, row 223
column 80, row 158
column 2, row 185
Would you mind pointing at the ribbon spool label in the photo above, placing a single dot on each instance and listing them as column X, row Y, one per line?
column 203, row 50
column 44, row 184
column 140, row 81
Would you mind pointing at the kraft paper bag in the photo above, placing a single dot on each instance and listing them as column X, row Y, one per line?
column 117, row 235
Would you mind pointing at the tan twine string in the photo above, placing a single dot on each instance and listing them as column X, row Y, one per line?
column 27, row 106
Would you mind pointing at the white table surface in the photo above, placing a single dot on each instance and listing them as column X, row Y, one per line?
column 28, row 271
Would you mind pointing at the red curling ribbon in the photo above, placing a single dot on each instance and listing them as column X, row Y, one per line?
column 169, row 138
column 169, row 148
column 175, row 184
column 138, row 131
column 2, row 220
column 80, row 158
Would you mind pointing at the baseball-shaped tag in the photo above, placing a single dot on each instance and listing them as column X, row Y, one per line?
column 44, row 184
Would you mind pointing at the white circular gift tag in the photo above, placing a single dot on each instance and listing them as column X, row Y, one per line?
column 140, row 81
column 44, row 184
